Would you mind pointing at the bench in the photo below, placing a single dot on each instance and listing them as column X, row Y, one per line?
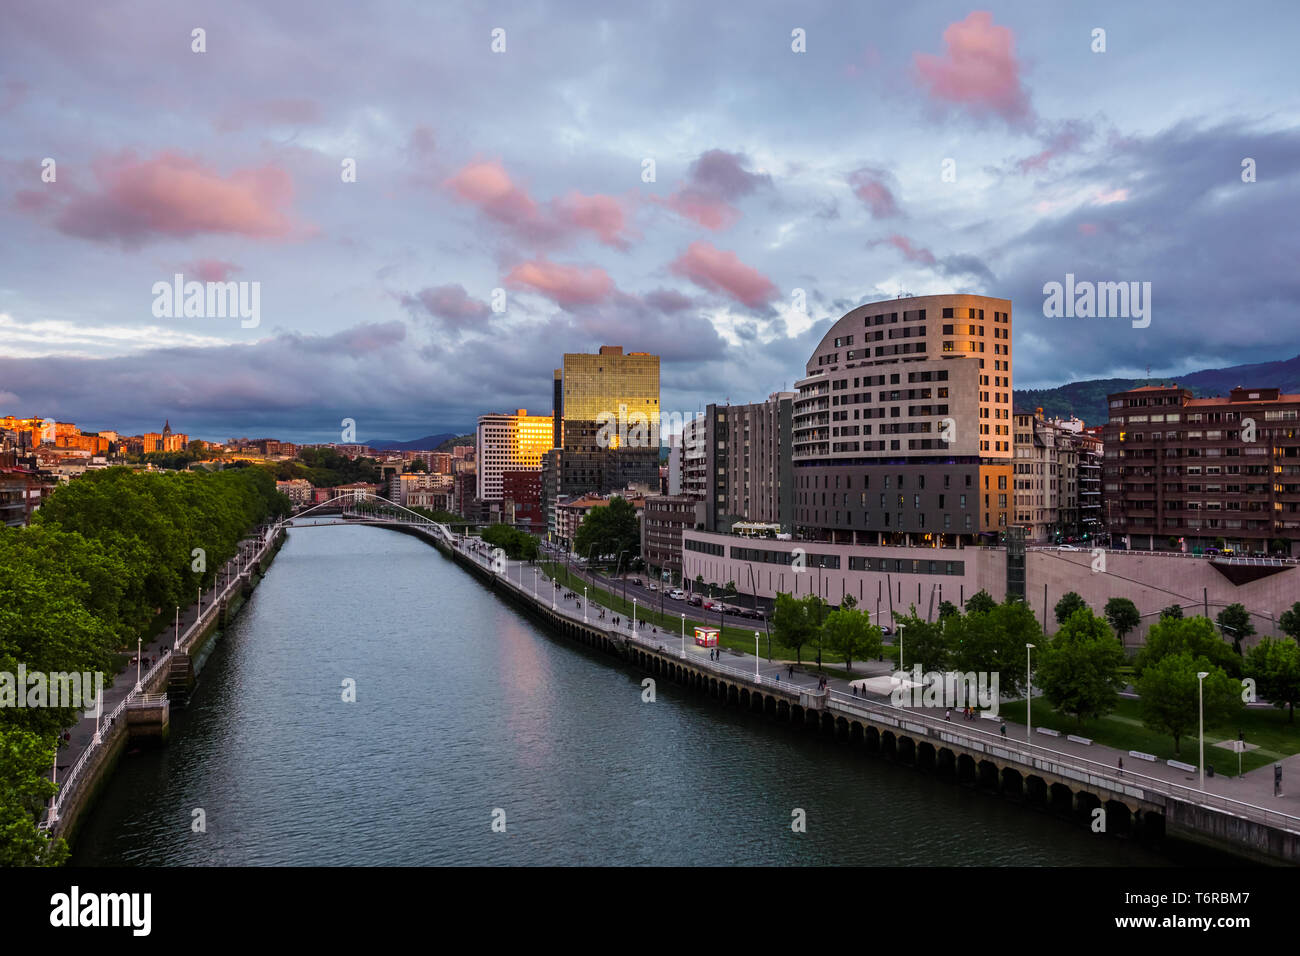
column 1079, row 740
column 1141, row 756
column 1050, row 733
column 1179, row 765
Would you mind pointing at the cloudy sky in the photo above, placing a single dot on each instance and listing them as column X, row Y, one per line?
column 665, row 176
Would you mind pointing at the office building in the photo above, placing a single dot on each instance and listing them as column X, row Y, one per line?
column 509, row 442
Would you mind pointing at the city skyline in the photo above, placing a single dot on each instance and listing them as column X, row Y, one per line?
column 778, row 172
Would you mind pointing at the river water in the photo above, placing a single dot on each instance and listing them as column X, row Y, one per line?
column 463, row 707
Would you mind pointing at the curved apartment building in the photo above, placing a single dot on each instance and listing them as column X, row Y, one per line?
column 902, row 428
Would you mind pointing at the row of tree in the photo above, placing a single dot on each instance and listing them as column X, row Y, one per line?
column 518, row 545
column 104, row 556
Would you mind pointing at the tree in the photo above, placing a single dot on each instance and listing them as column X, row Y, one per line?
column 1275, row 665
column 610, row 529
column 730, row 590
column 699, row 582
column 980, row 601
column 25, row 786
column 851, row 634
column 792, row 624
column 416, row 465
column 1078, row 670
column 1186, row 635
column 1169, row 697
column 947, row 608
column 848, row 601
column 993, row 642
column 1290, row 621
column 1173, row 610
column 1236, row 619
column 1123, row 616
column 923, row 642
column 1069, row 603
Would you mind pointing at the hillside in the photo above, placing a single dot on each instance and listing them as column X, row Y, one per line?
column 1087, row 399
column 427, row 443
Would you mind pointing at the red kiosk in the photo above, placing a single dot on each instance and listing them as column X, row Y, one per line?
column 706, row 636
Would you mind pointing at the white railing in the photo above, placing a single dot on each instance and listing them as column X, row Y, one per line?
column 69, row 783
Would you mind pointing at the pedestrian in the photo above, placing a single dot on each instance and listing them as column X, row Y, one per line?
column 1121, row 766
column 947, row 714
column 1004, row 728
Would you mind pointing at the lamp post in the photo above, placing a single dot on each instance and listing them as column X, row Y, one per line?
column 1029, row 697
column 683, row 633
column 757, row 678
column 634, row 615
column 176, row 642
column 534, row 582
column 99, row 709
column 139, row 650
column 1200, row 693
column 200, row 617
column 584, row 604
column 900, row 647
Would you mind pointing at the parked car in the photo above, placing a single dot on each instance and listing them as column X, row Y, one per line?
column 677, row 594
column 636, row 581
column 695, row 600
column 1066, row 547
column 652, row 586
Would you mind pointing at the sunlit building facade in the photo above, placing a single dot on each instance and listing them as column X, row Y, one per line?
column 509, row 442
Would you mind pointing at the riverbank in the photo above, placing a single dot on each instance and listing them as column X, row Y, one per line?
column 85, row 764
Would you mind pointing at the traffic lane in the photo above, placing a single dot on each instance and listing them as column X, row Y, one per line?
column 647, row 598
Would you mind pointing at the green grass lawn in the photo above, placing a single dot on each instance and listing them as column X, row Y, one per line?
column 1123, row 729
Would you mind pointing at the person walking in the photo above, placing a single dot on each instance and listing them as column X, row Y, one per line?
column 947, row 714
column 1121, row 766
column 1004, row 729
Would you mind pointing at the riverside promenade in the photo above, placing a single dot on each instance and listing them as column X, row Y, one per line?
column 1240, row 815
column 95, row 741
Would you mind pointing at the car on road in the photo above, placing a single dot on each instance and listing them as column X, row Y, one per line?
column 651, row 586
column 695, row 600
column 677, row 594
column 1066, row 547
column 636, row 581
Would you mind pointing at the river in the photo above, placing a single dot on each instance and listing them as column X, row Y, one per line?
column 464, row 707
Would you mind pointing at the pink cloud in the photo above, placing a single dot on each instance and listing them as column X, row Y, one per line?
column 910, row 252
column 1088, row 228
column 1106, row 197
column 175, row 196
column 564, row 285
column 869, row 186
column 978, row 71
column 486, row 185
column 721, row 271
column 212, row 270
column 716, row 178
column 1063, row 142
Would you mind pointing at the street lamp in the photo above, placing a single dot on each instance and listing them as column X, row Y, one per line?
column 683, row 634
column 900, row 647
column 534, row 582
column 176, row 642
column 584, row 604
column 1029, row 697
column 139, row 650
column 757, row 678
column 1200, row 693
column 634, row 615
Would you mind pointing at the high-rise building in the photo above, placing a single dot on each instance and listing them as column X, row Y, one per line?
column 508, row 442
column 605, row 423
column 737, row 460
column 902, row 425
column 1182, row 473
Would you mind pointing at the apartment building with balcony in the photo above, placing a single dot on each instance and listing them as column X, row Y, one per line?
column 902, row 426
column 1186, row 473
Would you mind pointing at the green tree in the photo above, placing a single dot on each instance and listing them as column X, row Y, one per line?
column 794, row 622
column 993, row 642
column 1173, row 610
column 25, row 786
column 1235, row 619
column 1069, row 603
column 923, row 642
column 980, row 601
column 610, row 529
column 1169, row 696
column 947, row 608
column 1275, row 665
column 1194, row 636
column 1078, row 670
column 1289, row 622
column 730, row 590
column 850, row 633
column 1123, row 616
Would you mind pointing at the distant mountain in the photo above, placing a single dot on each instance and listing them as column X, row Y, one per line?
column 1087, row 399
column 427, row 443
